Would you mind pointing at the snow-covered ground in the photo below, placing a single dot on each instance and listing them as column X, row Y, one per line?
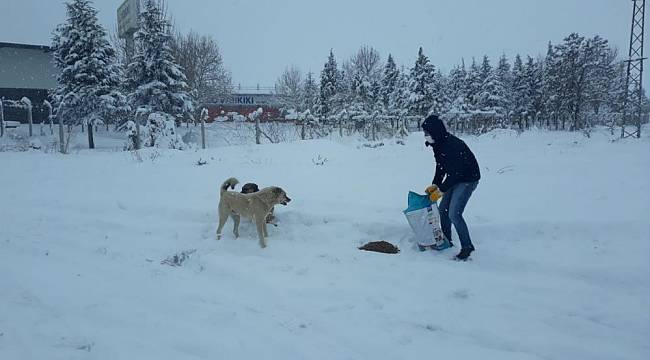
column 560, row 223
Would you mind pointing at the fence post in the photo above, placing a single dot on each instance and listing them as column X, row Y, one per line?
column 60, row 120
column 2, row 119
column 28, row 103
column 258, row 131
column 91, row 139
column 204, row 116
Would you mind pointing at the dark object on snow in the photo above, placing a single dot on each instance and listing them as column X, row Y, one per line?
column 201, row 162
column 250, row 188
column 380, row 246
column 178, row 259
column 373, row 146
column 464, row 254
column 453, row 156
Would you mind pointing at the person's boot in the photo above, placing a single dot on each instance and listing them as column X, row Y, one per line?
column 464, row 253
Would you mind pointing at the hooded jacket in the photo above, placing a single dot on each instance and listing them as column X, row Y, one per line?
column 455, row 162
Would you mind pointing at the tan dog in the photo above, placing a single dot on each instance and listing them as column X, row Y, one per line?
column 255, row 206
column 249, row 188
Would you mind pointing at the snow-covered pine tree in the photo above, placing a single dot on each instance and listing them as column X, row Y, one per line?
column 521, row 102
column 474, row 84
column 309, row 93
column 442, row 100
column 156, row 81
column 457, row 84
column 389, row 82
column 89, row 77
column 329, row 86
column 422, row 87
column 493, row 96
column 504, row 74
column 398, row 103
column 533, row 76
column 553, row 88
column 486, row 69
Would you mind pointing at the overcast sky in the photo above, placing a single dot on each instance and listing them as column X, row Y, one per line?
column 259, row 38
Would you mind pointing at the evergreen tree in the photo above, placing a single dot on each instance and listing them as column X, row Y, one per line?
column 521, row 102
column 493, row 97
column 309, row 93
column 441, row 101
column 389, row 81
column 329, row 87
column 421, row 85
column 474, row 84
column 399, row 101
column 156, row 81
column 457, row 84
column 89, row 77
column 533, row 76
column 486, row 69
column 504, row 75
column 552, row 86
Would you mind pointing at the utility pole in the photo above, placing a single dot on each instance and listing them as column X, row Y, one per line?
column 633, row 109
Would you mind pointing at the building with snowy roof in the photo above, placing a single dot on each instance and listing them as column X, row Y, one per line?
column 26, row 71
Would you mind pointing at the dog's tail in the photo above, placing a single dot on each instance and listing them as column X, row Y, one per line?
column 230, row 183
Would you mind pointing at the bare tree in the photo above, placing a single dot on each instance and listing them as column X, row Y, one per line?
column 201, row 59
column 289, row 85
column 366, row 62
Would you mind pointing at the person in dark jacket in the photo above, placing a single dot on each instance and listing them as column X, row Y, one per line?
column 457, row 176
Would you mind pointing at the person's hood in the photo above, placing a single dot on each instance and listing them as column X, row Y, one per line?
column 435, row 127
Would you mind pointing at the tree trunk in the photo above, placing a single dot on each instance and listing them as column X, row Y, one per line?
column 91, row 139
column 302, row 131
column 258, row 131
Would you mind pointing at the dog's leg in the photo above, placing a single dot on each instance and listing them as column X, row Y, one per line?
column 266, row 232
column 259, row 221
column 222, row 221
column 236, row 218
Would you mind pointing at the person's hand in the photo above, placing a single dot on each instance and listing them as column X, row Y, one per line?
column 428, row 140
column 431, row 188
column 436, row 195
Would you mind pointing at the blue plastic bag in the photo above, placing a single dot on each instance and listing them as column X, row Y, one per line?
column 423, row 217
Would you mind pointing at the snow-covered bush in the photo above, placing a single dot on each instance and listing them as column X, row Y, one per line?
column 162, row 132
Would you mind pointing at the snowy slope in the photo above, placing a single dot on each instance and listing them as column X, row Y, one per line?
column 560, row 224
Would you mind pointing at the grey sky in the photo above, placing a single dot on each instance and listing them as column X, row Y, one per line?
column 259, row 38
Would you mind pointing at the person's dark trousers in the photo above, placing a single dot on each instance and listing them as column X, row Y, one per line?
column 451, row 209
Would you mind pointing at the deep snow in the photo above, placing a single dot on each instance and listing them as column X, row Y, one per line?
column 560, row 223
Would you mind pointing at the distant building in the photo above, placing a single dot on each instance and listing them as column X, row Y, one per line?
column 244, row 104
column 26, row 71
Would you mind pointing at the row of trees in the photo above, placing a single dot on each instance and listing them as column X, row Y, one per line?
column 578, row 81
column 166, row 76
